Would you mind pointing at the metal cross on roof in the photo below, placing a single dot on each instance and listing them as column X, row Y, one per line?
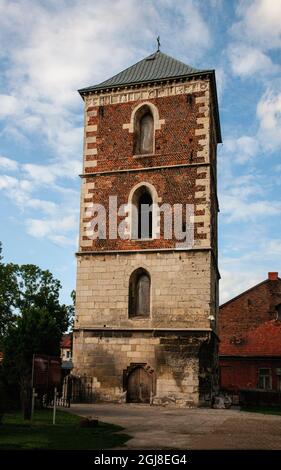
column 158, row 43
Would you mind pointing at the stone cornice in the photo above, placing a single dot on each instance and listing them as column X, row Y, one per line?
column 149, row 168
column 144, row 250
column 127, row 93
column 108, row 328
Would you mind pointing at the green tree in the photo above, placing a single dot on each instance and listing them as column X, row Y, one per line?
column 8, row 295
column 37, row 327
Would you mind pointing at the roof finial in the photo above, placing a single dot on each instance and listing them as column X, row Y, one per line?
column 158, row 44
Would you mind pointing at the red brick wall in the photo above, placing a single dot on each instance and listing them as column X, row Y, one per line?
column 174, row 185
column 243, row 374
column 174, row 142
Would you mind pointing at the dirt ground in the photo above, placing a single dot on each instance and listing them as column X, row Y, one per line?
column 154, row 427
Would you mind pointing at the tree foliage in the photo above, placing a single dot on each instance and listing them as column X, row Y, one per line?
column 32, row 320
column 8, row 294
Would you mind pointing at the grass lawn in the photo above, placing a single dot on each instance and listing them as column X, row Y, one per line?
column 264, row 410
column 15, row 433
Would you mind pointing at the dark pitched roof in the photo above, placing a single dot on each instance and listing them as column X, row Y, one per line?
column 155, row 67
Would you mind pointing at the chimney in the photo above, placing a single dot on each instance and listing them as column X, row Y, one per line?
column 272, row 276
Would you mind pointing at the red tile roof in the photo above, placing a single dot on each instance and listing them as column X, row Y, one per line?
column 265, row 340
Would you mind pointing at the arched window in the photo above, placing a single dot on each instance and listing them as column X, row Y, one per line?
column 144, row 131
column 142, row 211
column 139, row 293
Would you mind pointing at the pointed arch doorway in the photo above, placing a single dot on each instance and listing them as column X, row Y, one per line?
column 139, row 385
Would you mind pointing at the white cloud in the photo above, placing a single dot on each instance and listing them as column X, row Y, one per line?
column 19, row 191
column 42, row 227
column 237, row 278
column 274, row 247
column 255, row 34
column 242, row 149
column 47, row 207
column 48, row 174
column 247, row 61
column 22, row 190
column 259, row 22
column 8, row 164
column 189, row 27
column 269, row 115
column 58, row 221
column 56, row 229
column 216, row 3
column 235, row 209
column 7, row 182
column 244, row 198
column 8, row 105
column 250, row 265
column 63, row 241
column 267, row 139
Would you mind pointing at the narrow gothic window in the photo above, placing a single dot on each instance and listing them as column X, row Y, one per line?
column 142, row 208
column 144, row 132
column 139, row 294
column 145, row 216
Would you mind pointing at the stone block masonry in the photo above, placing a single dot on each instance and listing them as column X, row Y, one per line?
column 180, row 289
column 171, row 358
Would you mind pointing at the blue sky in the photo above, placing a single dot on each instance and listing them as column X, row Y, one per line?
column 49, row 49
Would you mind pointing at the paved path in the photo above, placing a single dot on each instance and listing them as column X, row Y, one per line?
column 174, row 428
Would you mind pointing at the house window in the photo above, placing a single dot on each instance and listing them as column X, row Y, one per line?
column 264, row 381
column 278, row 379
column 144, row 132
column 139, row 294
column 142, row 213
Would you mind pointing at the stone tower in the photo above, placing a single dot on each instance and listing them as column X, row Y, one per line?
column 146, row 305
